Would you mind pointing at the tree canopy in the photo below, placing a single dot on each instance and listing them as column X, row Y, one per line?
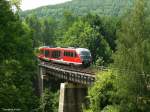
column 17, row 62
column 126, row 87
column 117, row 38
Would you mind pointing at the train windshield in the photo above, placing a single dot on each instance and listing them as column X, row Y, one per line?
column 85, row 53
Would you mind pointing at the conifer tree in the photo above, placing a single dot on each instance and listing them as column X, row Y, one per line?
column 132, row 60
column 125, row 89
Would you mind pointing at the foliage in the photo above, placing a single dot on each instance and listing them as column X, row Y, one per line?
column 82, row 7
column 83, row 34
column 90, row 31
column 91, row 24
column 106, row 26
column 129, row 79
column 111, row 109
column 102, row 93
column 42, row 30
column 133, row 55
column 49, row 101
column 64, row 24
column 15, row 4
column 99, row 62
column 17, row 62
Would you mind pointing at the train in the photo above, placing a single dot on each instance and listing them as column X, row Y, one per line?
column 68, row 56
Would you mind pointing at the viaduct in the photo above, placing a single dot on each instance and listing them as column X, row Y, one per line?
column 73, row 91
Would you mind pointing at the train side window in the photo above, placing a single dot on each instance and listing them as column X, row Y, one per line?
column 69, row 54
column 65, row 53
column 56, row 54
column 46, row 53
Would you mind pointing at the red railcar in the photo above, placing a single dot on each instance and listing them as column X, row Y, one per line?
column 70, row 56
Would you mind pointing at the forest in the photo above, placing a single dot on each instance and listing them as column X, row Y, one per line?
column 117, row 33
column 82, row 7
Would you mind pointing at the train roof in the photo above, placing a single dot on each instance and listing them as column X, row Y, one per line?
column 68, row 48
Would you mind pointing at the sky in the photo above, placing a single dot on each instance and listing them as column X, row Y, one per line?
column 31, row 4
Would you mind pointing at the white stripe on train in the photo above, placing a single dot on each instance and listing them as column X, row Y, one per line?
column 64, row 62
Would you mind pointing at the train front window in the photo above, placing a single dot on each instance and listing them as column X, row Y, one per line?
column 85, row 53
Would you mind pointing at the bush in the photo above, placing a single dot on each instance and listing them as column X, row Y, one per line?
column 102, row 93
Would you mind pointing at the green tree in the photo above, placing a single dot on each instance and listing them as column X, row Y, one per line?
column 48, row 27
column 64, row 24
column 16, row 4
column 132, row 60
column 125, row 88
column 35, row 27
column 81, row 34
column 102, row 93
column 106, row 26
column 49, row 101
column 17, row 62
column 43, row 30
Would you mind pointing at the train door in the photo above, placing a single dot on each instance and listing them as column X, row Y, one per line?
column 76, row 58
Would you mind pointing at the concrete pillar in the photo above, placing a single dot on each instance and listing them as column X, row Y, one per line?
column 71, row 97
column 40, row 83
column 40, row 80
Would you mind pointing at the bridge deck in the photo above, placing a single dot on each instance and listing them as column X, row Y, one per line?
column 68, row 75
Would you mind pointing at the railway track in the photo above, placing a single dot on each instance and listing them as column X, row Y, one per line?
column 70, row 68
column 85, row 76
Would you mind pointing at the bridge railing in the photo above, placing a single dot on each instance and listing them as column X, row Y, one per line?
column 67, row 75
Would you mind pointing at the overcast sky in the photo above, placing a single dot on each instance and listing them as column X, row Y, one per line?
column 31, row 4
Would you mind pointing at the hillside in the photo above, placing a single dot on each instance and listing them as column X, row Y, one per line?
column 82, row 7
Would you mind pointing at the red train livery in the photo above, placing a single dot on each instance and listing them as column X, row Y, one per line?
column 69, row 56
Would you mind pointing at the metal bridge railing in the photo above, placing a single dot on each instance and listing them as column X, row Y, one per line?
column 67, row 75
